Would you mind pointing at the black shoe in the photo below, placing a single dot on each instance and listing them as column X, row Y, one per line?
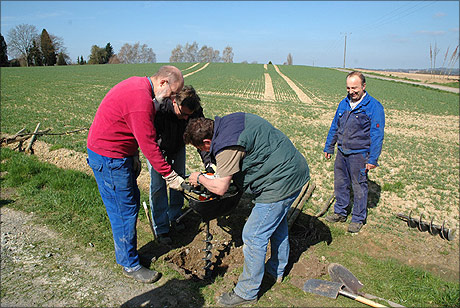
column 231, row 299
column 164, row 239
column 336, row 218
column 354, row 227
column 178, row 227
column 272, row 279
column 143, row 275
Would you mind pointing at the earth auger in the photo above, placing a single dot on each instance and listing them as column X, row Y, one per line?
column 210, row 206
column 422, row 226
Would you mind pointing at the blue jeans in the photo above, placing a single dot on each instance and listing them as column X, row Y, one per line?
column 162, row 213
column 267, row 222
column 118, row 188
column 351, row 169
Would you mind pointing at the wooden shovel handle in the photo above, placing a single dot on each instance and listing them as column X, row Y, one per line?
column 361, row 299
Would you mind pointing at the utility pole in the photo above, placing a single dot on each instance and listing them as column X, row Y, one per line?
column 345, row 50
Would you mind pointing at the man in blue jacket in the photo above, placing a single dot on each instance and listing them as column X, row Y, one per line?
column 357, row 128
column 251, row 152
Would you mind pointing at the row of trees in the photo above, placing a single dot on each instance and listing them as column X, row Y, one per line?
column 191, row 53
column 99, row 55
column 128, row 53
column 32, row 49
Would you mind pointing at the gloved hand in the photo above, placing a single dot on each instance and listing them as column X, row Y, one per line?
column 174, row 181
column 137, row 166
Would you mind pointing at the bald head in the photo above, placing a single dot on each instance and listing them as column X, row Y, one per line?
column 171, row 73
column 167, row 82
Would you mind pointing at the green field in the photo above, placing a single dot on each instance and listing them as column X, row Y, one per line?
column 418, row 171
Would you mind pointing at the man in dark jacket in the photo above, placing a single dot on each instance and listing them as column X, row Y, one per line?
column 250, row 151
column 170, row 121
column 357, row 128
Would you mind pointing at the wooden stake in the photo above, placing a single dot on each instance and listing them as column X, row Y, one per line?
column 34, row 136
column 297, row 200
column 296, row 211
column 146, row 209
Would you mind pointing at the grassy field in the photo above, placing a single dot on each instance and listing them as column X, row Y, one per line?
column 418, row 171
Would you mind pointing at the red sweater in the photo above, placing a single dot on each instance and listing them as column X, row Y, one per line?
column 124, row 122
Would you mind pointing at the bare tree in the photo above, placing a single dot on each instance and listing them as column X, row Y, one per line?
column 227, row 55
column 20, row 40
column 177, row 54
column 136, row 54
column 208, row 54
column 431, row 60
column 114, row 60
column 289, row 59
column 435, row 53
column 216, row 56
column 444, row 61
column 191, row 52
column 454, row 58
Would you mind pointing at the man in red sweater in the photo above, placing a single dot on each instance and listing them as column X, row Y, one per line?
column 124, row 122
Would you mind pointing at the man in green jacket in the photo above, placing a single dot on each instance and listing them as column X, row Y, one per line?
column 251, row 152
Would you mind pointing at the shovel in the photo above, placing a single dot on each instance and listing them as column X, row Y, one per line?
column 333, row 289
column 351, row 284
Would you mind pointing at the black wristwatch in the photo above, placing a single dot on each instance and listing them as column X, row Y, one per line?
column 198, row 179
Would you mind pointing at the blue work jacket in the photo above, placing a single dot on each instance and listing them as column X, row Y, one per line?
column 359, row 130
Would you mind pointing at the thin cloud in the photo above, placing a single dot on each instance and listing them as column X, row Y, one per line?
column 439, row 15
column 426, row 32
column 398, row 39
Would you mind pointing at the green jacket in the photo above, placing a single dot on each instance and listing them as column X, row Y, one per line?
column 272, row 168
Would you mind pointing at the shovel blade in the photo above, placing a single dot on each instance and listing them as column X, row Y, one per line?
column 322, row 287
column 341, row 274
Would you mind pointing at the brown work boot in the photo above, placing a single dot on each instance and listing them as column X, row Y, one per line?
column 230, row 299
column 143, row 274
column 354, row 227
column 336, row 218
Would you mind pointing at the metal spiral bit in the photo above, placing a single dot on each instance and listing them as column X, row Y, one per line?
column 422, row 226
column 207, row 251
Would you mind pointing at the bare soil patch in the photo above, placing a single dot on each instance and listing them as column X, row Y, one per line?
column 427, row 78
column 269, row 94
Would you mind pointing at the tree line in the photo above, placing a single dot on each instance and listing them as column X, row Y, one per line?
column 29, row 48
column 33, row 49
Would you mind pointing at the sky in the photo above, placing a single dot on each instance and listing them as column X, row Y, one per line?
column 378, row 34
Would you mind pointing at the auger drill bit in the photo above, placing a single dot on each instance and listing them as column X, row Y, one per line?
column 442, row 231
column 208, row 253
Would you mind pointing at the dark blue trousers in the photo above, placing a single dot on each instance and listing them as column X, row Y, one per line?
column 351, row 169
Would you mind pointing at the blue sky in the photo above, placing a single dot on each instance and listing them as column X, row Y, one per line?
column 380, row 34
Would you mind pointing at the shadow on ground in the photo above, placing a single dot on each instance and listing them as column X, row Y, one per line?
column 187, row 253
column 174, row 293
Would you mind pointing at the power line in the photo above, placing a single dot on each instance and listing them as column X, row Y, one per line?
column 396, row 14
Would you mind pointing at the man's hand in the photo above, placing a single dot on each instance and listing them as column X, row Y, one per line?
column 370, row 166
column 327, row 155
column 137, row 165
column 193, row 178
column 174, row 181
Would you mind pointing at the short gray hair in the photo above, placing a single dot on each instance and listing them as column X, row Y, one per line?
column 172, row 73
column 359, row 75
